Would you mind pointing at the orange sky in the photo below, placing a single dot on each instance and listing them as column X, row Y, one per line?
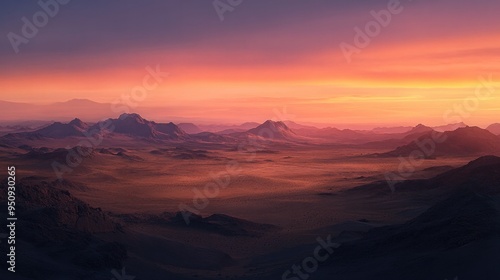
column 414, row 71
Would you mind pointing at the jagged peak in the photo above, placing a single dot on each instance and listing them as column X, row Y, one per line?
column 133, row 116
column 77, row 122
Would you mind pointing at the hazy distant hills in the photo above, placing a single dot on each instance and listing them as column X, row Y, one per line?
column 333, row 134
column 228, row 129
column 449, row 127
column 396, row 129
column 348, row 136
column 494, row 128
column 83, row 108
column 133, row 125
column 462, row 141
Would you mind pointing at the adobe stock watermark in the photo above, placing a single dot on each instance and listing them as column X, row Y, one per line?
column 363, row 37
column 95, row 135
column 222, row 180
column 223, row 6
column 310, row 264
column 427, row 146
column 40, row 19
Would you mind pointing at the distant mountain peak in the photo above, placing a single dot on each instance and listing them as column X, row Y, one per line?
column 133, row 124
column 78, row 101
column 275, row 124
column 62, row 130
column 273, row 129
column 77, row 122
column 420, row 128
column 133, row 116
column 472, row 129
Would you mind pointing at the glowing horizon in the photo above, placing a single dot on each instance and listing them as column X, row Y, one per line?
column 422, row 64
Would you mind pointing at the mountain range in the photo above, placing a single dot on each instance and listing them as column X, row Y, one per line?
column 461, row 141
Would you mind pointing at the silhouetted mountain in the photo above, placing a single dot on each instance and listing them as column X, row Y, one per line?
column 133, row 125
column 463, row 141
column 416, row 133
column 136, row 126
column 77, row 102
column 419, row 129
column 494, row 128
column 170, row 129
column 273, row 130
column 128, row 124
column 58, row 130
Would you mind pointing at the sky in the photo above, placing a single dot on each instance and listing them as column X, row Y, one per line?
column 421, row 62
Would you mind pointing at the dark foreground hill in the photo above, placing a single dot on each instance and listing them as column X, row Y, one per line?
column 458, row 236
column 56, row 235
